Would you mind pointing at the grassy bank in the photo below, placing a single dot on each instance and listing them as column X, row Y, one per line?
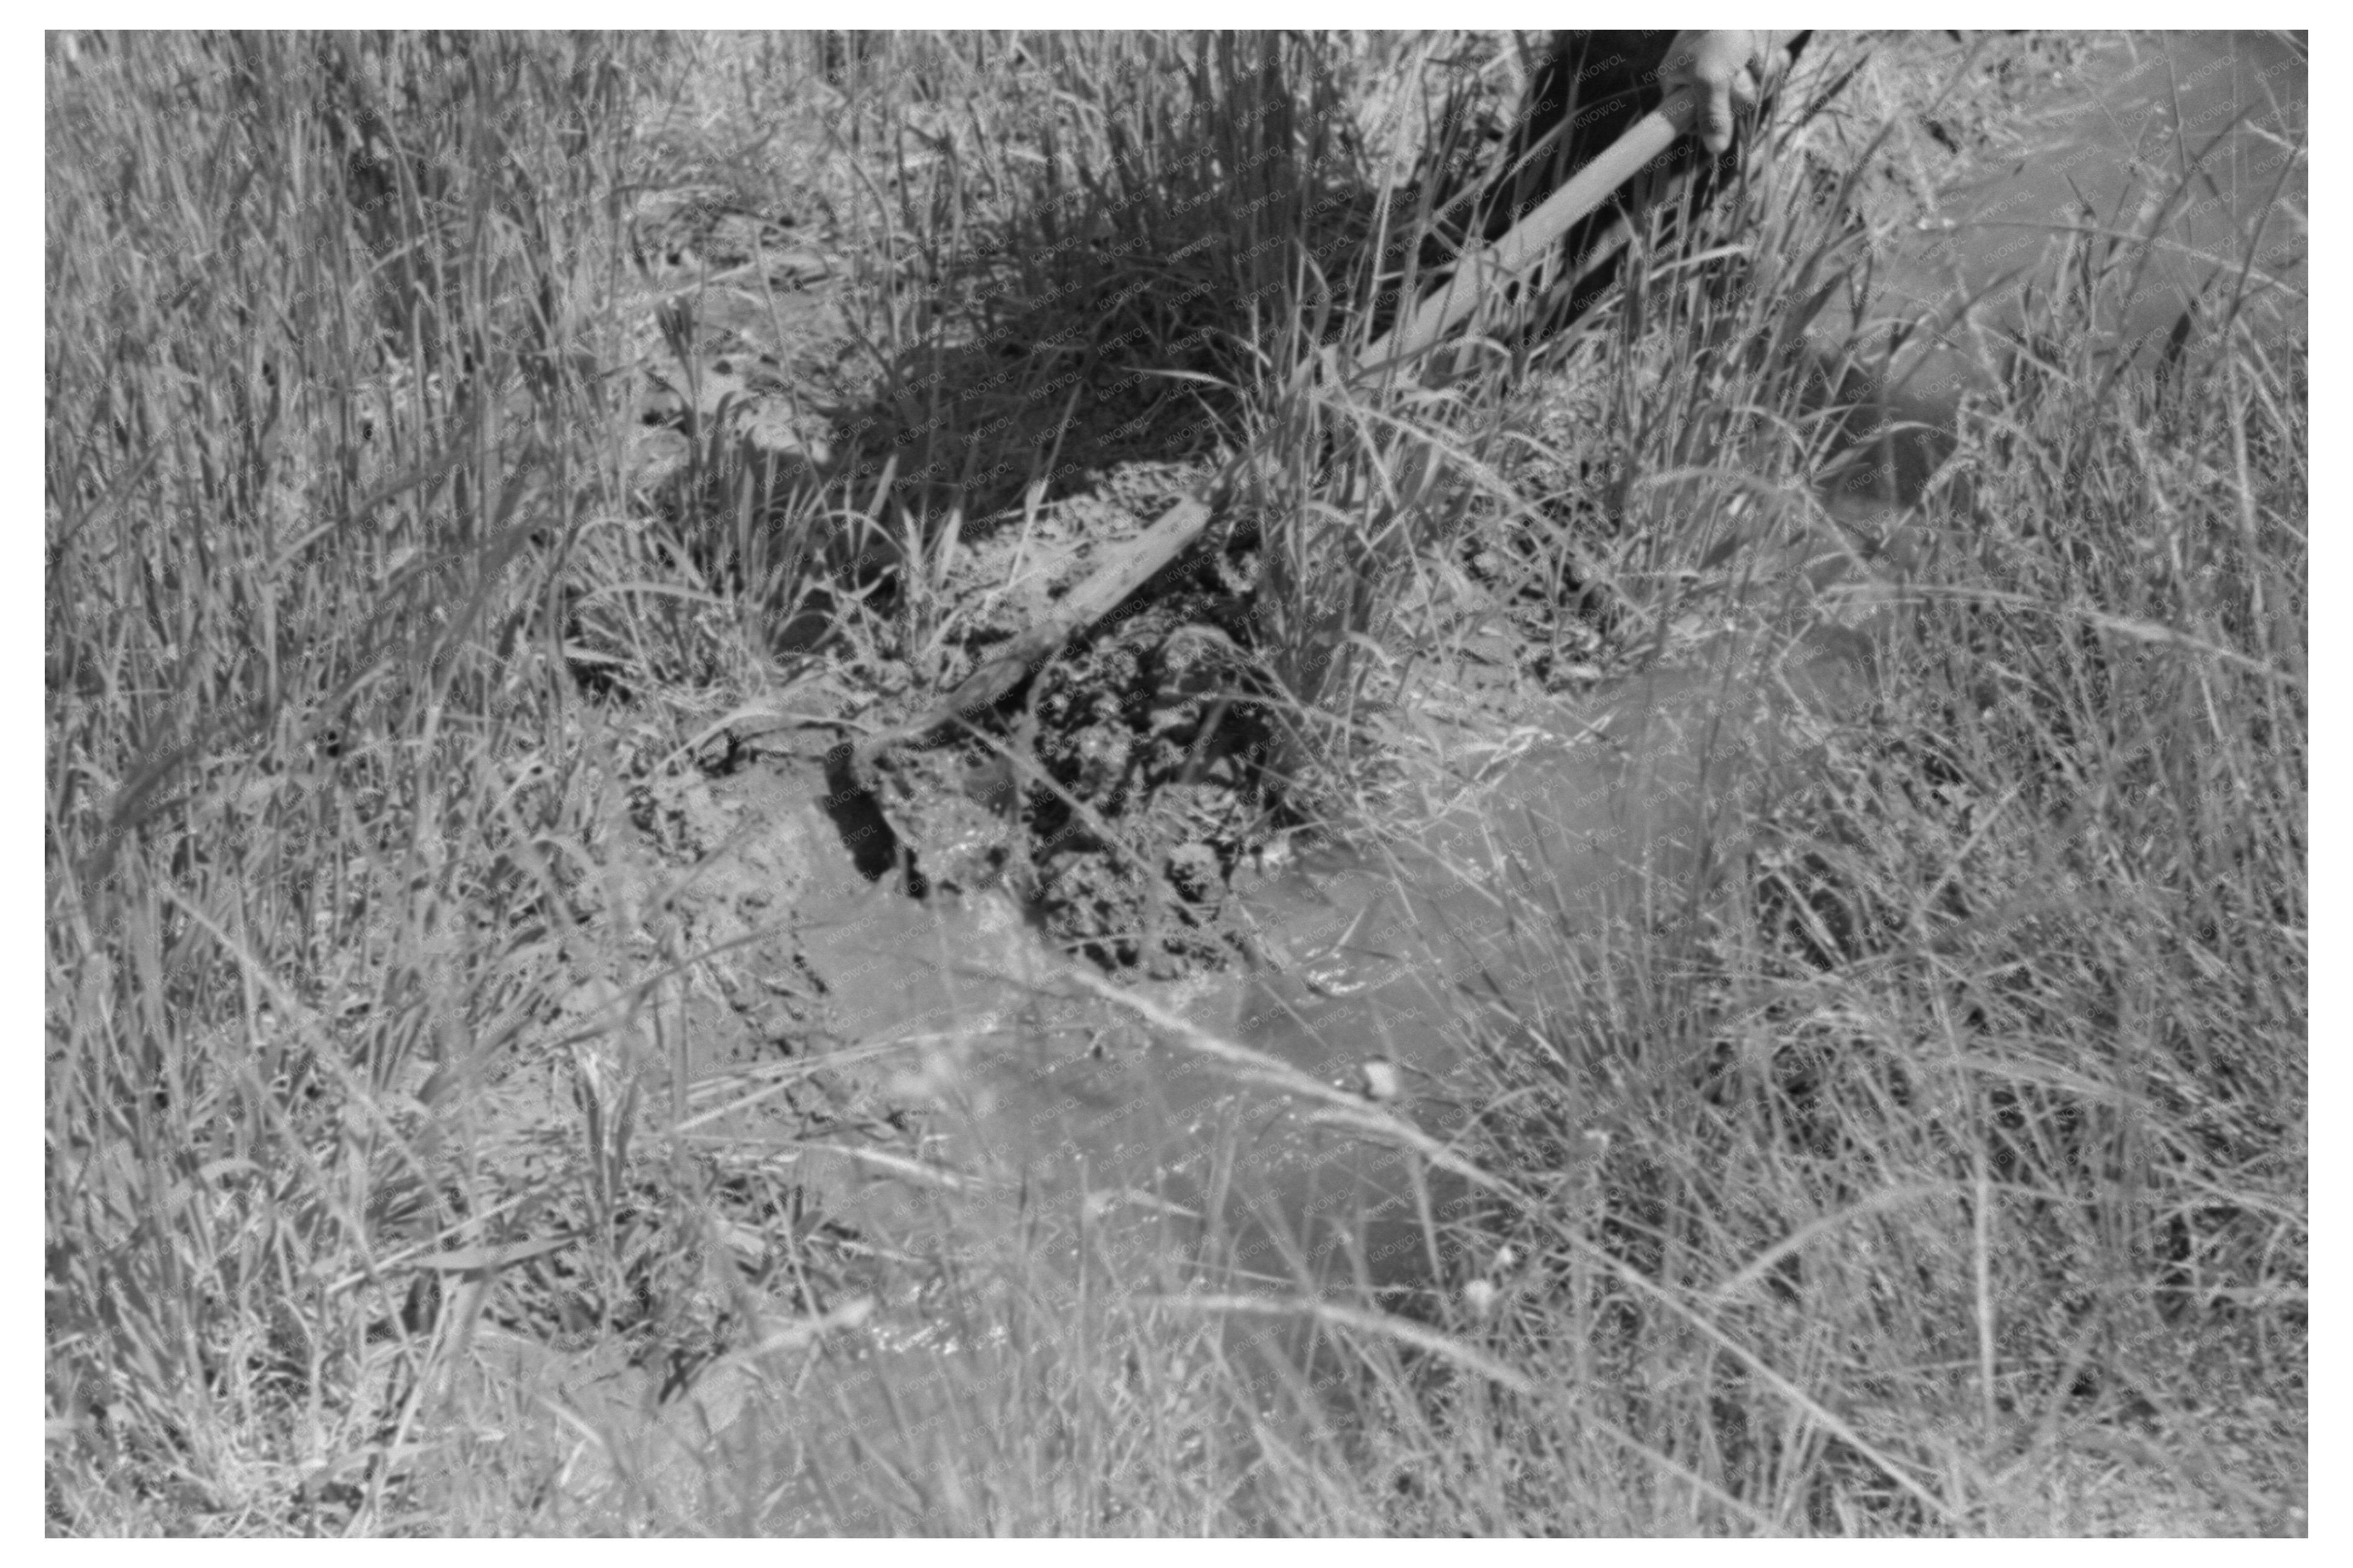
column 453, row 446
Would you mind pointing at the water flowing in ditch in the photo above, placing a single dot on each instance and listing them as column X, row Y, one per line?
column 2193, row 141
column 1278, row 1155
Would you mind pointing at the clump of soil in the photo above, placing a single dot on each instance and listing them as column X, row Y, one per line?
column 1124, row 790
column 1152, row 750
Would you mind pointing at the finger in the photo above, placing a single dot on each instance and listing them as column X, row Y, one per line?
column 1715, row 119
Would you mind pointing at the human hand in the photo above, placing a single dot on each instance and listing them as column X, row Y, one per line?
column 1723, row 68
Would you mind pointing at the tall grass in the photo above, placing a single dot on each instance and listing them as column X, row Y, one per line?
column 1864, row 1195
column 1985, row 1104
column 314, row 769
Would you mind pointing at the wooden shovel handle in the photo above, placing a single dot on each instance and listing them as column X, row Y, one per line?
column 1531, row 240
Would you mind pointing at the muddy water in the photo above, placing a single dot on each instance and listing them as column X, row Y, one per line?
column 2187, row 150
column 1078, row 1157
column 1100, row 1136
column 2193, row 138
column 2193, row 141
column 1078, row 1145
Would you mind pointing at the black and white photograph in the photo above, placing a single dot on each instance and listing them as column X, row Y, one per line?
column 1175, row 783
